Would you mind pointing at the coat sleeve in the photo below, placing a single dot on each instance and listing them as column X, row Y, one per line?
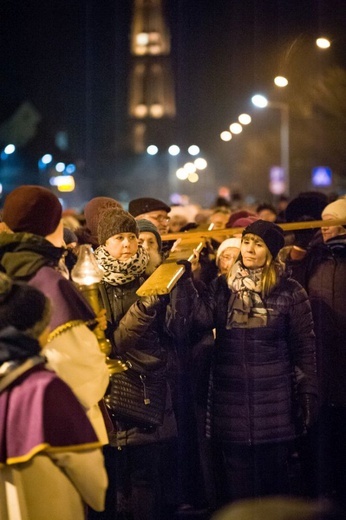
column 302, row 341
column 87, row 473
column 135, row 323
column 190, row 309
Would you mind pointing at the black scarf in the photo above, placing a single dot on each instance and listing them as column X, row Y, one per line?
column 16, row 345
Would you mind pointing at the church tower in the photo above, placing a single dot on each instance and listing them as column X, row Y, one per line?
column 151, row 102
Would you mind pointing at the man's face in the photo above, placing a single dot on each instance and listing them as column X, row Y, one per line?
column 219, row 220
column 148, row 241
column 159, row 218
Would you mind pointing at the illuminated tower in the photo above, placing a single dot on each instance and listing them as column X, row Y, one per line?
column 151, row 105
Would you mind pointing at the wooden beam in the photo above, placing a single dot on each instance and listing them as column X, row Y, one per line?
column 168, row 273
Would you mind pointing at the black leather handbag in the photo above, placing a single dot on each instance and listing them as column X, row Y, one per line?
column 138, row 395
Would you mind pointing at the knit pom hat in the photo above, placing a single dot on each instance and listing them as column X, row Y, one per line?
column 145, row 225
column 146, row 205
column 23, row 306
column 113, row 222
column 33, row 209
column 229, row 242
column 336, row 209
column 271, row 234
column 94, row 208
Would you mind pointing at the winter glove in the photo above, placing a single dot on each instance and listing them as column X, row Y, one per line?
column 188, row 269
column 303, row 237
column 309, row 406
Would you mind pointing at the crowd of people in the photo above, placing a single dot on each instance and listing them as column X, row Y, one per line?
column 229, row 387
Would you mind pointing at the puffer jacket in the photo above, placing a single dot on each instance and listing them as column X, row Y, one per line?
column 135, row 325
column 254, row 383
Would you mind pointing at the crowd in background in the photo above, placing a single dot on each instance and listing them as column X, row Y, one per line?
column 247, row 351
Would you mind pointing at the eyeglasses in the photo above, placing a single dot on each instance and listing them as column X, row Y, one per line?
column 160, row 218
column 228, row 257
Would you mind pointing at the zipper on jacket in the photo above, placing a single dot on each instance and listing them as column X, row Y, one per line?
column 146, row 399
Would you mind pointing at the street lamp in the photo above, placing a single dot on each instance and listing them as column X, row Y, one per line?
column 262, row 102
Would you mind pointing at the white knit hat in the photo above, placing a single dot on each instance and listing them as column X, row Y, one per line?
column 229, row 242
column 336, row 209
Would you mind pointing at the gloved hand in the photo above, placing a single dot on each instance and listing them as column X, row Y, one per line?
column 150, row 304
column 303, row 237
column 188, row 269
column 309, row 406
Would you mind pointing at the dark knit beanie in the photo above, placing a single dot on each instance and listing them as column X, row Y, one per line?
column 145, row 225
column 69, row 236
column 23, row 307
column 94, row 208
column 146, row 205
column 33, row 209
column 271, row 234
column 115, row 221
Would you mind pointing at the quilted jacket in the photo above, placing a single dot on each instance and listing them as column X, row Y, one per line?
column 257, row 373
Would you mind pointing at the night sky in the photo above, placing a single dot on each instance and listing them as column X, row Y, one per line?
column 70, row 59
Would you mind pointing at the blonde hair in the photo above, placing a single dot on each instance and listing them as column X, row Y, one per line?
column 272, row 271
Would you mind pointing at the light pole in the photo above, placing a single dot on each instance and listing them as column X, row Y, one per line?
column 262, row 102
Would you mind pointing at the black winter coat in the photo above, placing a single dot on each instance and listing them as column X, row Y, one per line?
column 325, row 282
column 135, row 325
column 254, row 383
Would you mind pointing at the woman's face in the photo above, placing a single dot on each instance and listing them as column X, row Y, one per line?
column 227, row 259
column 331, row 231
column 122, row 246
column 254, row 252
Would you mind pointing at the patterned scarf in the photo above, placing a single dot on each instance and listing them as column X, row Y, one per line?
column 117, row 272
column 245, row 307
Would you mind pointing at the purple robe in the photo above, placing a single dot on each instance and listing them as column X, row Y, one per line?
column 68, row 303
column 39, row 412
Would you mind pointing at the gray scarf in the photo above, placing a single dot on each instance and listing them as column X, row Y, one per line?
column 246, row 308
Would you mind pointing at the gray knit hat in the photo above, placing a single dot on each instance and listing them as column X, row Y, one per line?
column 115, row 221
column 145, row 225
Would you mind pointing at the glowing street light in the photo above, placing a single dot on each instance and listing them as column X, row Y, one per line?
column 174, row 150
column 193, row 149
column 281, row 81
column 10, row 148
column 152, row 149
column 226, row 136
column 323, row 43
column 262, row 102
column 236, row 128
column 244, row 119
